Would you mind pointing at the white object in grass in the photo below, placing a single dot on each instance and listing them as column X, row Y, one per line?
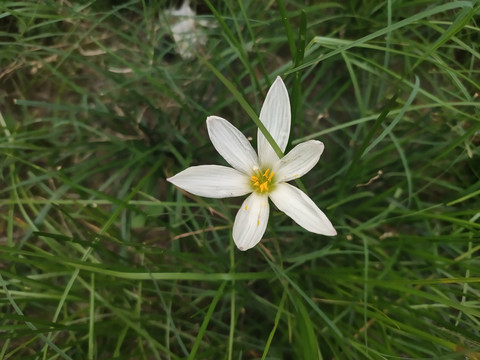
column 264, row 176
column 187, row 30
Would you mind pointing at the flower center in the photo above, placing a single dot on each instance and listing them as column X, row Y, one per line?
column 262, row 182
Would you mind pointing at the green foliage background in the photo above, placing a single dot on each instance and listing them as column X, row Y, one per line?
column 102, row 258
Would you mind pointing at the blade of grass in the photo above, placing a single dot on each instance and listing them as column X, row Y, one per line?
column 288, row 28
column 281, row 308
column 245, row 105
column 296, row 103
column 47, row 341
column 206, row 320
column 397, row 118
column 386, row 30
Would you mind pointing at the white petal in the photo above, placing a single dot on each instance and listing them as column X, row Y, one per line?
column 300, row 160
column 251, row 221
column 296, row 204
column 232, row 144
column 276, row 117
column 213, row 181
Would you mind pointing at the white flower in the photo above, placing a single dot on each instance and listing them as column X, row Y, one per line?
column 187, row 31
column 264, row 176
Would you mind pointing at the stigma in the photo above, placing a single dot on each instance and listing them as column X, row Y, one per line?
column 262, row 182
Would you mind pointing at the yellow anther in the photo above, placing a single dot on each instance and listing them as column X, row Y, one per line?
column 262, row 182
column 264, row 186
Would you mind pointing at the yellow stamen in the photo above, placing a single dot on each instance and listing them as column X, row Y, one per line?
column 264, row 186
column 262, row 182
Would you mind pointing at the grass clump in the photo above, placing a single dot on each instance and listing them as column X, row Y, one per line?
column 101, row 258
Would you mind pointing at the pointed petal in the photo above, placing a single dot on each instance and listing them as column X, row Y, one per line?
column 251, row 221
column 276, row 117
column 296, row 204
column 300, row 160
column 213, row 181
column 232, row 145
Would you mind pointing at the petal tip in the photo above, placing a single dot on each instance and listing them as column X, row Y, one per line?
column 240, row 242
column 214, row 119
column 327, row 230
column 278, row 83
column 174, row 178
